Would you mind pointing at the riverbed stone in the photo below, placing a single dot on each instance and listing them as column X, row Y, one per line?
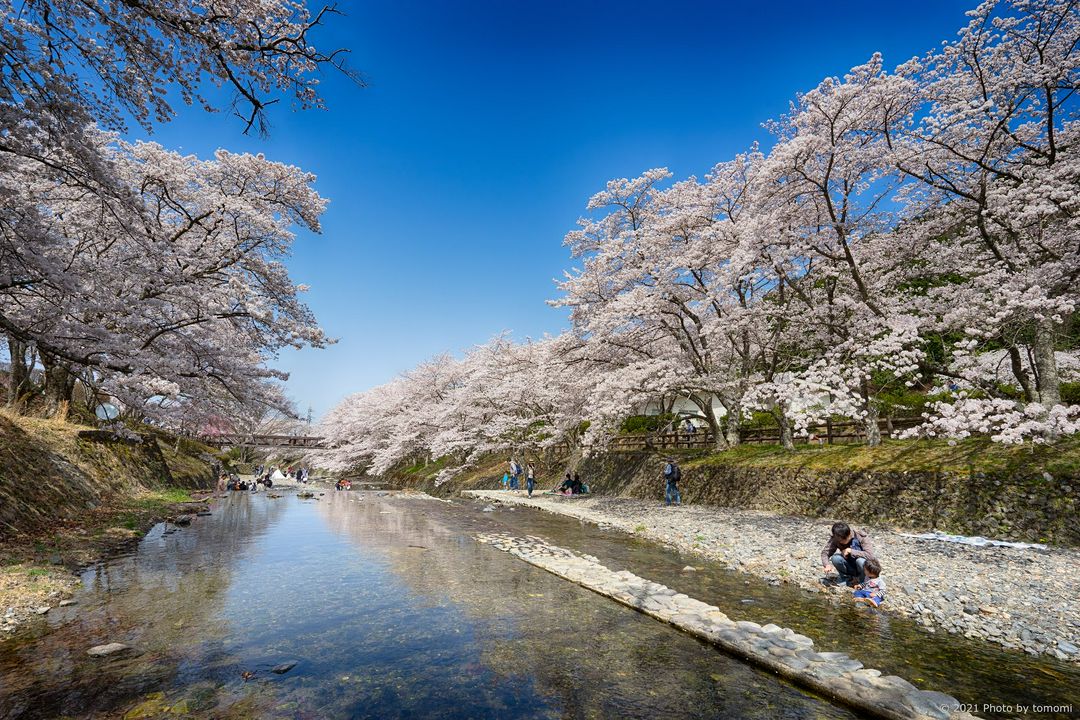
column 932, row 703
column 795, row 662
column 282, row 668
column 107, row 649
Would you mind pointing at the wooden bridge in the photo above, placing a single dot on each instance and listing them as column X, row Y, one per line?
column 265, row 442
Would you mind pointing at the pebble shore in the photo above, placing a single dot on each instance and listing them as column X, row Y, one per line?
column 1021, row 599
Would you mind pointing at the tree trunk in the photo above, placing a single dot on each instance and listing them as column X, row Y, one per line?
column 19, row 382
column 733, row 425
column 1021, row 374
column 873, row 432
column 1049, row 382
column 787, row 436
column 59, row 385
column 719, row 442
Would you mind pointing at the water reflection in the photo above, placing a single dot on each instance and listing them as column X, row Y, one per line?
column 388, row 608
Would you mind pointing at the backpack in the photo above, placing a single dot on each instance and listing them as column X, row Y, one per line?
column 672, row 472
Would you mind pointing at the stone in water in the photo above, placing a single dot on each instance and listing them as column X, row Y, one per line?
column 108, row 649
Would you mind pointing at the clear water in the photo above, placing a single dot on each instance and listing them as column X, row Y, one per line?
column 389, row 608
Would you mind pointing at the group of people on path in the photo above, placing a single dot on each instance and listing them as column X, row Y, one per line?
column 264, row 475
column 236, row 483
column 511, row 480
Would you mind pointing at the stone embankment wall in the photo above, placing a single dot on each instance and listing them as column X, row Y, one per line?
column 1038, row 508
column 1033, row 507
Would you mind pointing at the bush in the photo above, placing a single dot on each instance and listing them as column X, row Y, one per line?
column 637, row 424
column 1070, row 393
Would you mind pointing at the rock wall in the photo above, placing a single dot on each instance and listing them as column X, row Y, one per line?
column 1034, row 508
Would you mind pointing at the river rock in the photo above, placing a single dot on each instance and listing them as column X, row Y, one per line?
column 283, row 667
column 1066, row 647
column 932, row 703
column 68, row 603
column 43, row 610
column 107, row 649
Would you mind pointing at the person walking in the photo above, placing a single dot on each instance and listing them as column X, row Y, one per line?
column 530, row 479
column 515, row 474
column 672, row 474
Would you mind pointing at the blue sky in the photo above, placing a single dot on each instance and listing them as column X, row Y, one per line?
column 486, row 126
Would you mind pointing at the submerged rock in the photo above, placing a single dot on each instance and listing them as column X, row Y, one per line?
column 284, row 667
column 107, row 649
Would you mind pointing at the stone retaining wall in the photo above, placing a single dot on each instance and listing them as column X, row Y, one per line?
column 1034, row 508
column 780, row 650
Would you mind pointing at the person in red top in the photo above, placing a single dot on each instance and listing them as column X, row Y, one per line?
column 846, row 552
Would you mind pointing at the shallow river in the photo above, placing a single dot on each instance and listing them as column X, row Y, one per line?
column 390, row 609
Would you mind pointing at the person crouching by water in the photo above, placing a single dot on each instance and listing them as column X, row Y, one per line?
column 847, row 552
column 871, row 592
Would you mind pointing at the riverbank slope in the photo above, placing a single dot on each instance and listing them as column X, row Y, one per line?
column 70, row 494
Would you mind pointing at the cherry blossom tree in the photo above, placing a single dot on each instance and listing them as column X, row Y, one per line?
column 76, row 200
column 987, row 128
column 185, row 289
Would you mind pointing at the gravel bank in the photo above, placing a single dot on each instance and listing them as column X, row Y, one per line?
column 1025, row 599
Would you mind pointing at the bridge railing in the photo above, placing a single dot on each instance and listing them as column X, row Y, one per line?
column 283, row 441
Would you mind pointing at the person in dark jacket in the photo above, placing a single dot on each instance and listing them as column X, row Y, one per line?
column 846, row 552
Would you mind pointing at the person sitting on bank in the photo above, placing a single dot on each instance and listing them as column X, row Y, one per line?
column 576, row 486
column 846, row 552
column 566, row 483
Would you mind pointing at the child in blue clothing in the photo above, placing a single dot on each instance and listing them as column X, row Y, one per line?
column 506, row 480
column 872, row 590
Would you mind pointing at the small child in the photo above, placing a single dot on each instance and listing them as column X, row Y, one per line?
column 506, row 480
column 872, row 591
